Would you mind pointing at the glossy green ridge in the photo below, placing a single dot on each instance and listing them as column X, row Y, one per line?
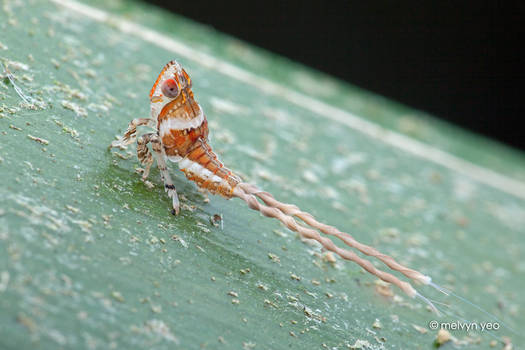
column 90, row 257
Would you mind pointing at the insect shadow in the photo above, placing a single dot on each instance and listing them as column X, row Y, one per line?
column 119, row 184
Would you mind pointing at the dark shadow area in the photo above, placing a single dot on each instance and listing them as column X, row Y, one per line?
column 461, row 61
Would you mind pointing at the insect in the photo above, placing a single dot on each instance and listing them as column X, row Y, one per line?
column 181, row 136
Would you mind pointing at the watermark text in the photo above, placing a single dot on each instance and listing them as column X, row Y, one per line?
column 464, row 326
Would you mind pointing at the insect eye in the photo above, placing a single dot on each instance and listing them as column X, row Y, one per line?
column 170, row 88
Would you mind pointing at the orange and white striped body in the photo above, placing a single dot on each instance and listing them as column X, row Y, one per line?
column 183, row 130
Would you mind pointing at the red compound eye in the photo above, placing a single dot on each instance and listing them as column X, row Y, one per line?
column 170, row 88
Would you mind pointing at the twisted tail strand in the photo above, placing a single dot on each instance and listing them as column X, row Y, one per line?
column 274, row 212
column 293, row 210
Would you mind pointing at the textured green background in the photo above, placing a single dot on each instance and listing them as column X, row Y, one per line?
column 88, row 256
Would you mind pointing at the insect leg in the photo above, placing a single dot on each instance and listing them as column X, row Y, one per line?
column 130, row 134
column 164, row 174
column 144, row 154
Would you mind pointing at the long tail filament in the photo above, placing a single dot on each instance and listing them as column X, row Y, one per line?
column 248, row 194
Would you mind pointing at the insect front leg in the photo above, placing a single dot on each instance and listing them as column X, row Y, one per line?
column 144, row 154
column 131, row 134
column 169, row 187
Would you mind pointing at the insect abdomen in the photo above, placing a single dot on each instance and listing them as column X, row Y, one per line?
column 202, row 166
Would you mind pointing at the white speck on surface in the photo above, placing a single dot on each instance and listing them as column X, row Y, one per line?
column 341, row 164
column 79, row 111
column 464, row 189
column 15, row 65
column 310, row 176
column 158, row 328
column 361, row 344
column 225, row 106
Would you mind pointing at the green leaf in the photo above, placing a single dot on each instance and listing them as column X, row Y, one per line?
column 90, row 257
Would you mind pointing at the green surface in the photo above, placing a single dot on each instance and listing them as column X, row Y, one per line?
column 91, row 258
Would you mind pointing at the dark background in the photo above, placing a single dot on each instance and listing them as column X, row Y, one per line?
column 460, row 61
